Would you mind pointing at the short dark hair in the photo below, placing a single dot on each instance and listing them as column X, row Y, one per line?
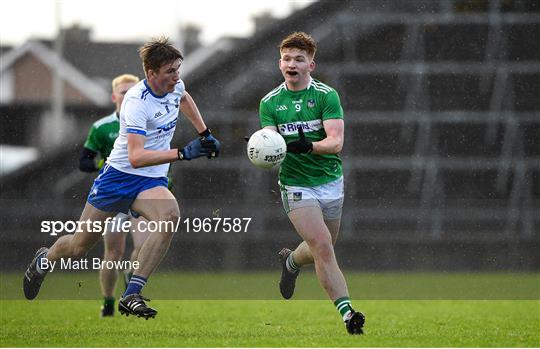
column 157, row 52
column 301, row 41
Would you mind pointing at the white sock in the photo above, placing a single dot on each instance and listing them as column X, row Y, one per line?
column 291, row 266
column 38, row 267
column 347, row 315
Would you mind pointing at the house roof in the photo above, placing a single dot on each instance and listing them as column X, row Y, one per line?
column 104, row 60
column 4, row 49
column 94, row 91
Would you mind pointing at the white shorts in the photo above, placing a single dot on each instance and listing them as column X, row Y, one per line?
column 329, row 197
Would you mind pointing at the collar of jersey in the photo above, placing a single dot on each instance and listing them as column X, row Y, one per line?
column 300, row 91
column 152, row 92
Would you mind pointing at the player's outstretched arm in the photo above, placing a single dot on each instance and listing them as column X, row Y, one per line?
column 140, row 157
column 206, row 145
column 190, row 110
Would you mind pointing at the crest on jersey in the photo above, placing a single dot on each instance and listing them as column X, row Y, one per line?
column 311, row 103
column 297, row 196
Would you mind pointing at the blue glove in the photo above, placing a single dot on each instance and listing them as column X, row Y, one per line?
column 193, row 150
column 211, row 145
column 206, row 145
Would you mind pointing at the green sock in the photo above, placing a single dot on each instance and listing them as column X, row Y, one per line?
column 108, row 301
column 343, row 305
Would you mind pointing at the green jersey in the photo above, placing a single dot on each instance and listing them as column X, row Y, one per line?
column 101, row 139
column 288, row 110
column 102, row 135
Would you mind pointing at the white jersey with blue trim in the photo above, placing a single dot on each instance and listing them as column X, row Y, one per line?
column 155, row 117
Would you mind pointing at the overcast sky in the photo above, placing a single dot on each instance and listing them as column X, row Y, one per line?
column 136, row 20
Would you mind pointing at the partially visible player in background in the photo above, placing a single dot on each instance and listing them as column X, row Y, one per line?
column 308, row 114
column 98, row 146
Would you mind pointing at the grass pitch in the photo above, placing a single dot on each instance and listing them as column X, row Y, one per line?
column 236, row 322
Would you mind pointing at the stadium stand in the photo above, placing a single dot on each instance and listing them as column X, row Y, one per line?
column 442, row 149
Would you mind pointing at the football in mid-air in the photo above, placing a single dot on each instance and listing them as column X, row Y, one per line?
column 266, row 148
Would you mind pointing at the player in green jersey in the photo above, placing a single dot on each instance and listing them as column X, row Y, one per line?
column 98, row 146
column 308, row 114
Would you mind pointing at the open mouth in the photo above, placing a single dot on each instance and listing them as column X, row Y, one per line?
column 292, row 73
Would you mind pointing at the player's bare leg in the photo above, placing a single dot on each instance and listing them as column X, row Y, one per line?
column 74, row 246
column 309, row 223
column 78, row 244
column 292, row 261
column 114, row 251
column 115, row 244
column 302, row 254
column 158, row 205
column 138, row 237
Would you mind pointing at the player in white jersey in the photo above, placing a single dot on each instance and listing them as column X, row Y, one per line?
column 135, row 176
column 153, row 116
column 100, row 142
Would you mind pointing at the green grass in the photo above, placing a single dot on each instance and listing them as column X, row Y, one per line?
column 192, row 323
column 263, row 286
column 243, row 310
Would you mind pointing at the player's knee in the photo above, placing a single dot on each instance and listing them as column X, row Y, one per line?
column 321, row 246
column 169, row 220
column 113, row 254
column 173, row 215
column 79, row 251
column 319, row 240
